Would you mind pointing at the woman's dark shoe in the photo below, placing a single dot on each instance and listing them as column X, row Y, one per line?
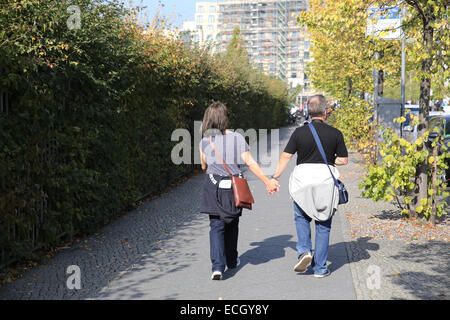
column 217, row 275
column 238, row 262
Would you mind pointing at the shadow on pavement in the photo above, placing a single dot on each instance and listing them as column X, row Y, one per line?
column 269, row 249
column 275, row 248
column 390, row 215
column 431, row 282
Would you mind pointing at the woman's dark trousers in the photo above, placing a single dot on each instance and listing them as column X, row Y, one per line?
column 223, row 238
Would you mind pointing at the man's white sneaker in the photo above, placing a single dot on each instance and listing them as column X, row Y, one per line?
column 326, row 274
column 303, row 262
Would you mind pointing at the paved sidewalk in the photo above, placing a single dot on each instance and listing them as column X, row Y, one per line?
column 267, row 239
column 375, row 240
column 161, row 251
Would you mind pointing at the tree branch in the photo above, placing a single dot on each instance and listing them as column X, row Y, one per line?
column 416, row 5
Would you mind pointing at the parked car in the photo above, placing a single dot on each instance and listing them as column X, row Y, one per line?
column 411, row 131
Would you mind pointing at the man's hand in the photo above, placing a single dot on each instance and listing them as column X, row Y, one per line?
column 272, row 186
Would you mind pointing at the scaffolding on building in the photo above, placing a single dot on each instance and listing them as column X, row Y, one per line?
column 272, row 38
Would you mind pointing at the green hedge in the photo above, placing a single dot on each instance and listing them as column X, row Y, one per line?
column 91, row 113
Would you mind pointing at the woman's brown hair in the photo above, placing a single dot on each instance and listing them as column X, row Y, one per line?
column 215, row 120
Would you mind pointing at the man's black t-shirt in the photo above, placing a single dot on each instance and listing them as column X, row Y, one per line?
column 302, row 142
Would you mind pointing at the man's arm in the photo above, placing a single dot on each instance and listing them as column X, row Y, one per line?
column 341, row 150
column 341, row 161
column 282, row 164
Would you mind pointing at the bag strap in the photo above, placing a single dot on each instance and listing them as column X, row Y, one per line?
column 322, row 152
column 218, row 154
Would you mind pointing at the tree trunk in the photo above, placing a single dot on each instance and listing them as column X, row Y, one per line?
column 424, row 101
column 349, row 87
column 433, row 178
column 380, row 82
column 380, row 77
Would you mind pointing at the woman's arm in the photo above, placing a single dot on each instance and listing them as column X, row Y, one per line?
column 203, row 160
column 271, row 185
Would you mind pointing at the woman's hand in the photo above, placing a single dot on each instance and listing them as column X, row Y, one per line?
column 272, row 186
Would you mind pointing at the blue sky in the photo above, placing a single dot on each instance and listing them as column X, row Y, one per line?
column 184, row 9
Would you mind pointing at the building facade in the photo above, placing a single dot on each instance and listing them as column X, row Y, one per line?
column 274, row 42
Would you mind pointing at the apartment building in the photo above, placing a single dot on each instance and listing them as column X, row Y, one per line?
column 206, row 21
column 269, row 28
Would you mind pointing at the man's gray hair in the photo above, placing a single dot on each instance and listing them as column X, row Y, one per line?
column 317, row 105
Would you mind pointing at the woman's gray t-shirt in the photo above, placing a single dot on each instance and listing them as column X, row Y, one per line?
column 230, row 146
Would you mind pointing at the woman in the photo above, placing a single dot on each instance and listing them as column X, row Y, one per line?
column 218, row 201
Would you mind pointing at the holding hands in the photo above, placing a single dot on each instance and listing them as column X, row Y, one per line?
column 272, row 186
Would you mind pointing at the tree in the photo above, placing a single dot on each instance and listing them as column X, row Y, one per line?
column 236, row 50
column 343, row 56
column 427, row 24
column 343, row 60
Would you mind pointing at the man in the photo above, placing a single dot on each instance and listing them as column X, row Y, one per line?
column 308, row 156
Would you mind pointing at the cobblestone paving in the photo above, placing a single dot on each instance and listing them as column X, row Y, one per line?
column 116, row 248
column 378, row 241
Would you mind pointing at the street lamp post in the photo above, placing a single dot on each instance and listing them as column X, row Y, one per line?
column 402, row 112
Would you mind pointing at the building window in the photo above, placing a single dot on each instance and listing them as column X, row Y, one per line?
column 294, row 75
column 306, row 55
column 199, row 19
column 212, row 9
column 200, row 9
column 211, row 19
column 209, row 38
column 306, row 45
column 210, row 27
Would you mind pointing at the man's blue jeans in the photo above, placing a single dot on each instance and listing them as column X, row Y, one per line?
column 302, row 223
